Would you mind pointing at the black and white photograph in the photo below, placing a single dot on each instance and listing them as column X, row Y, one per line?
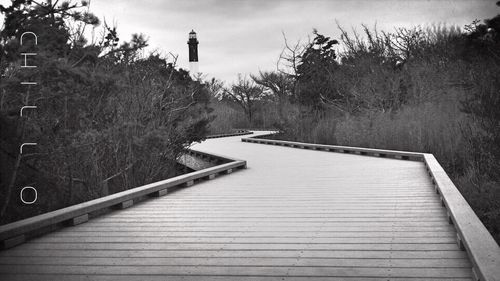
column 259, row 140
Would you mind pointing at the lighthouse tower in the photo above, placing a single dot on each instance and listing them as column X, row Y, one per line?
column 193, row 53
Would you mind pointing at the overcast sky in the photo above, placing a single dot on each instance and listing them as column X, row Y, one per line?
column 245, row 36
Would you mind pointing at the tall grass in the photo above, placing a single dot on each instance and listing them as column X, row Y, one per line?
column 225, row 118
column 429, row 127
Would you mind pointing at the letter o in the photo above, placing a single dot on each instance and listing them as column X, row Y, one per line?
column 21, row 195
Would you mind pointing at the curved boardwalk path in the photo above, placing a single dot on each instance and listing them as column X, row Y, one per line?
column 293, row 214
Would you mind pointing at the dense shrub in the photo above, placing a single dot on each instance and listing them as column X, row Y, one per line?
column 108, row 118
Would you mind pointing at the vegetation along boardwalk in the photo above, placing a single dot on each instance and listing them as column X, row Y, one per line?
column 293, row 214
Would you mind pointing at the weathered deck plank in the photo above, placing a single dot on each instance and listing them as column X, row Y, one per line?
column 291, row 214
column 95, row 277
column 247, row 261
column 156, row 253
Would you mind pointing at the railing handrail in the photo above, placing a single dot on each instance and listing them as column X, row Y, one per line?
column 472, row 235
column 23, row 227
column 238, row 133
column 339, row 148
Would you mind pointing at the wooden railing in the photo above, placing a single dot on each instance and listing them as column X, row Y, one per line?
column 17, row 232
column 235, row 133
column 472, row 235
column 344, row 149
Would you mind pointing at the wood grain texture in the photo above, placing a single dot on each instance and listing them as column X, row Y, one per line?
column 291, row 215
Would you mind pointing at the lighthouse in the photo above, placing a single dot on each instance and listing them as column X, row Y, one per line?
column 193, row 53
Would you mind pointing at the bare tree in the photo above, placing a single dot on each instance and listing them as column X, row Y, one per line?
column 290, row 58
column 408, row 41
column 280, row 86
column 278, row 83
column 245, row 92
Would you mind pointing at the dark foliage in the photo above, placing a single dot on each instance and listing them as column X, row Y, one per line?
column 108, row 118
column 315, row 71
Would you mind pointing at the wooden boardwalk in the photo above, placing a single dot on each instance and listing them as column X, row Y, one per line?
column 291, row 215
